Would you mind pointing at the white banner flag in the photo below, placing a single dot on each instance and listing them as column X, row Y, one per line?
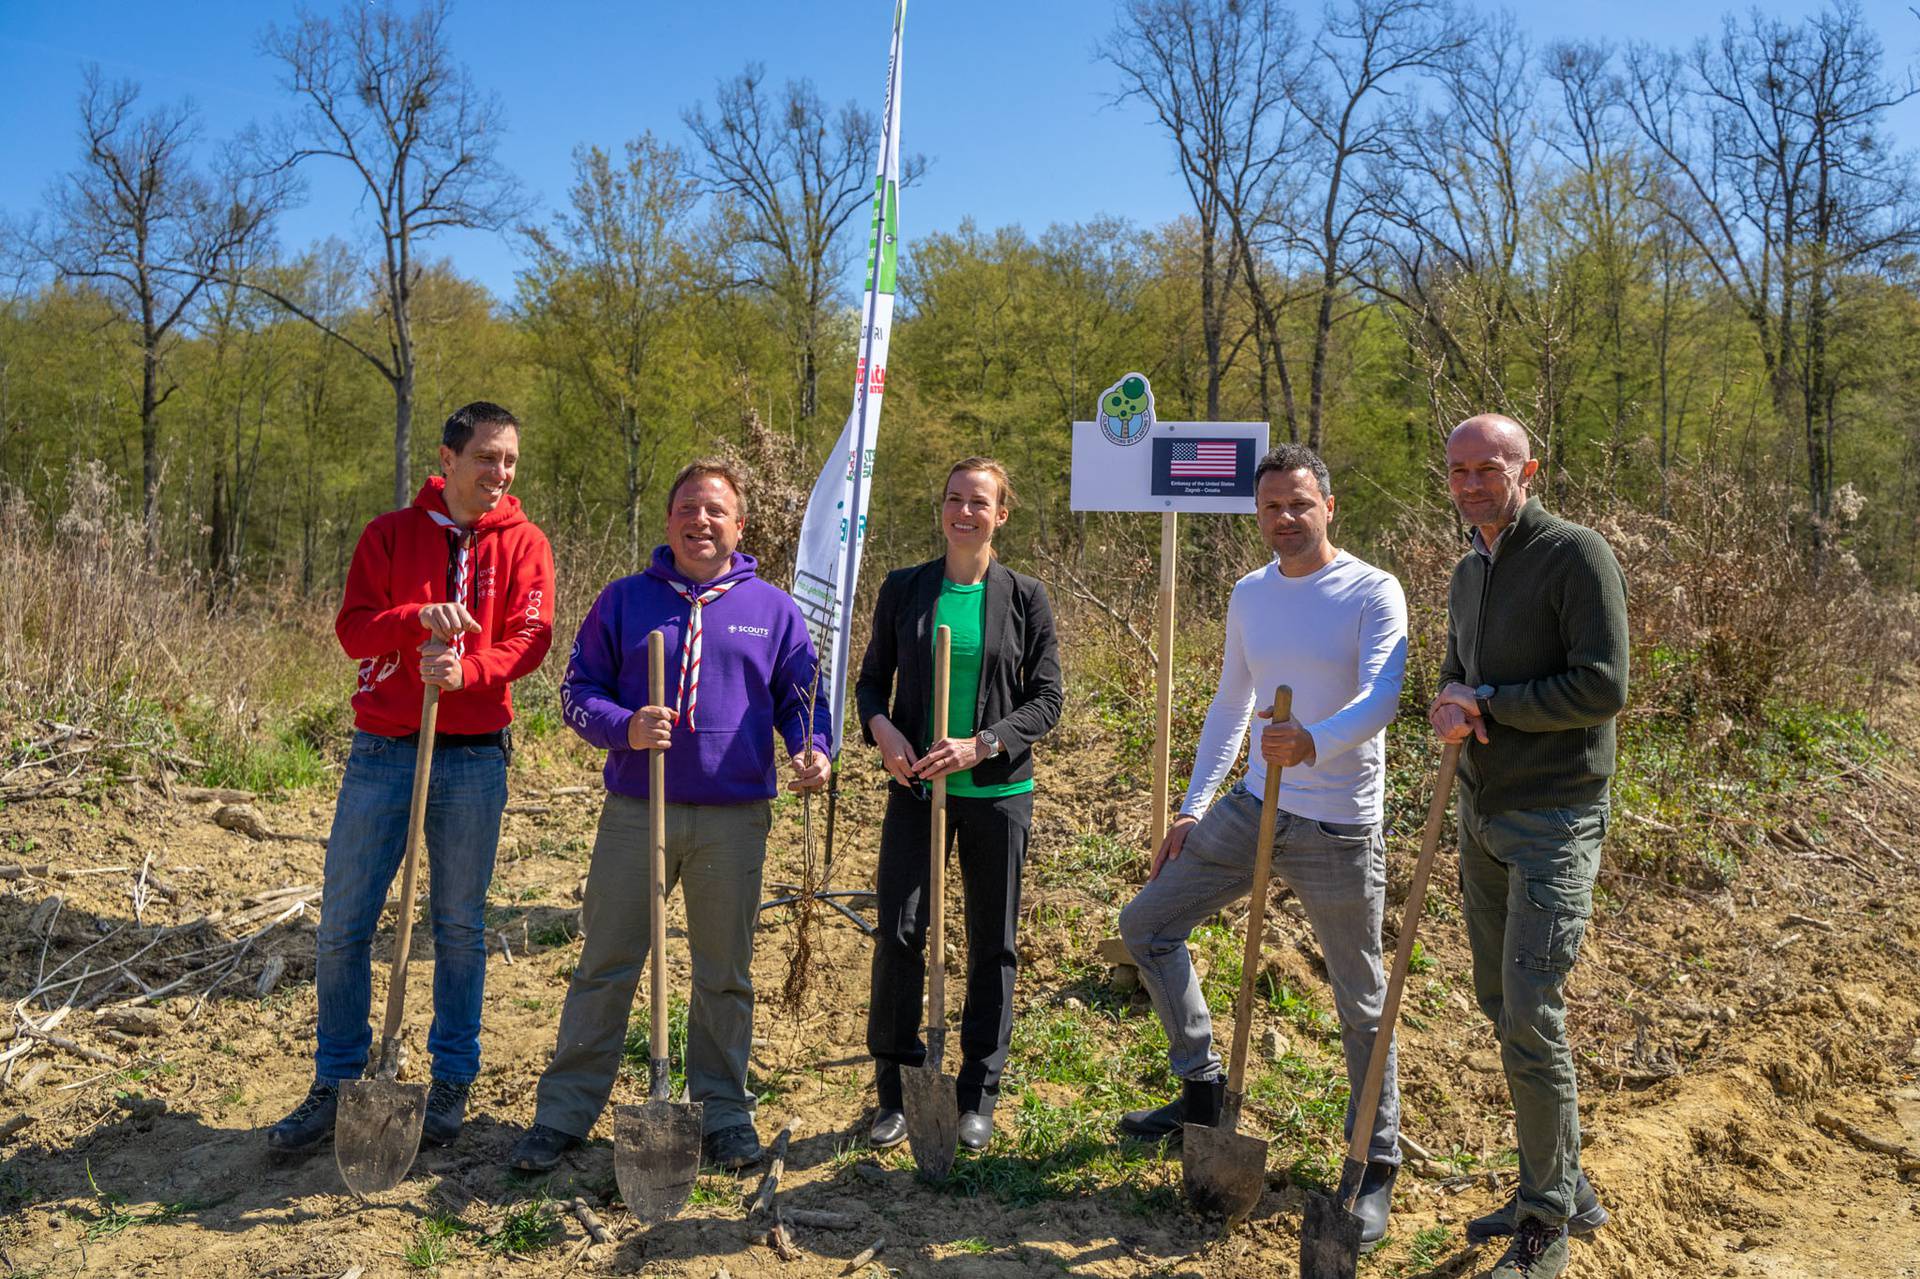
column 827, row 568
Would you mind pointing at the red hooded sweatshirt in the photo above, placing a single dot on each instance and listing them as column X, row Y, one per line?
column 406, row 560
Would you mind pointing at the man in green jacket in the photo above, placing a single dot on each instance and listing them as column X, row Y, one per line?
column 1535, row 672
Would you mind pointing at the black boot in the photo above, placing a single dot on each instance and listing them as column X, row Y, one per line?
column 1199, row 1103
column 446, row 1111
column 1374, row 1203
column 310, row 1124
column 1201, row 1100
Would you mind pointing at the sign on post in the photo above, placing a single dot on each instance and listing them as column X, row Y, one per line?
column 1126, row 459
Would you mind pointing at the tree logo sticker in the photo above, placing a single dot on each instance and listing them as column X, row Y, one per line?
column 1126, row 409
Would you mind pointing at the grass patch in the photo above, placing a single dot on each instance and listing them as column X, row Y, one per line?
column 553, row 934
column 713, row 1192
column 636, row 1054
column 434, row 1246
column 525, row 1230
column 973, row 1246
column 1100, row 864
column 112, row 1216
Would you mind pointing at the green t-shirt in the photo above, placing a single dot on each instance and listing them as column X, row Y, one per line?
column 961, row 609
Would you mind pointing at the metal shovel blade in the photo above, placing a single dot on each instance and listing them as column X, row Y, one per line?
column 1225, row 1172
column 933, row 1119
column 376, row 1132
column 1329, row 1233
column 656, row 1156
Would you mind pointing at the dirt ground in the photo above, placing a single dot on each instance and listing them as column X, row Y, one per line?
column 1714, row 1030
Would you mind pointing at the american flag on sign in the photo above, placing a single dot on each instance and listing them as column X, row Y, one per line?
column 1203, row 459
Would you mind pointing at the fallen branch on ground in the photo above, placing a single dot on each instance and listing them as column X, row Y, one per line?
column 1906, row 1161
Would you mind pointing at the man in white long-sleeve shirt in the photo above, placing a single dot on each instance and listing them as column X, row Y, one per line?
column 1335, row 630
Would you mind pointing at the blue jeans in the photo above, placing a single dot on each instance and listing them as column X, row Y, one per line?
column 465, row 794
column 1339, row 873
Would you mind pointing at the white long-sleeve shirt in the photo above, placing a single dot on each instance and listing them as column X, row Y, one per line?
column 1338, row 638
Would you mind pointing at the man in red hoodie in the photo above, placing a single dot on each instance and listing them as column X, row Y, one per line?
column 457, row 591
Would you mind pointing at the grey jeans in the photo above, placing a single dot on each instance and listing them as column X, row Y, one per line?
column 715, row 852
column 1526, row 880
column 1339, row 873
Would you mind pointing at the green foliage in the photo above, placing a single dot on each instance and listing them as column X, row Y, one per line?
column 526, row 1229
column 636, row 1052
column 111, row 1215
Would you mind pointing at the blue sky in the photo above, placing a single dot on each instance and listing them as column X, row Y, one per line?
column 1002, row 94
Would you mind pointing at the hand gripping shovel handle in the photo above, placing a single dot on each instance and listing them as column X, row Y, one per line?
column 1256, row 920
column 1364, row 1113
column 937, row 867
column 389, row 1064
column 657, row 1065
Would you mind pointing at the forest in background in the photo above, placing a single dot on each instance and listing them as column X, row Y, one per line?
column 1689, row 271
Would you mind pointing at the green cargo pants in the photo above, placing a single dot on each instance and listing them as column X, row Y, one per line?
column 1526, row 881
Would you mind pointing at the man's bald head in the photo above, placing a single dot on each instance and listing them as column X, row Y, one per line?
column 1497, row 432
column 1489, row 463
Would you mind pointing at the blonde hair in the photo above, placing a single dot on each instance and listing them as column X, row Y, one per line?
column 1008, row 499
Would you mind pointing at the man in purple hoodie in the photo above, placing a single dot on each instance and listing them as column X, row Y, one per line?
column 740, row 666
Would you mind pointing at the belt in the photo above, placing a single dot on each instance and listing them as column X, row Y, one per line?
column 453, row 741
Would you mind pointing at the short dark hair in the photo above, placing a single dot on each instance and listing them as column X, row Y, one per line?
column 717, row 467
column 469, row 418
column 1295, row 457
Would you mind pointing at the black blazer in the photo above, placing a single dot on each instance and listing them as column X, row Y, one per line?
column 1020, row 687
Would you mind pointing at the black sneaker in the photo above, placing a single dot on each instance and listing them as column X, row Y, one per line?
column 539, row 1150
column 733, row 1148
column 310, row 1125
column 446, row 1109
column 1588, row 1215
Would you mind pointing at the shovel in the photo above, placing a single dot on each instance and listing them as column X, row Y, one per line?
column 1330, row 1233
column 932, row 1102
column 1225, row 1170
column 656, row 1146
column 376, row 1131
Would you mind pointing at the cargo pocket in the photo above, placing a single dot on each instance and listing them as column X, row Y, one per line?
column 1553, row 925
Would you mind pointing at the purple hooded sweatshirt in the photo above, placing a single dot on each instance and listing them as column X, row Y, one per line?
column 756, row 667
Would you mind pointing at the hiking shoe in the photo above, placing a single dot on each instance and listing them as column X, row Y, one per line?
column 1538, row 1251
column 889, row 1129
column 1199, row 1103
column 733, row 1148
column 539, row 1150
column 1588, row 1216
column 1374, row 1203
column 446, row 1109
column 311, row 1123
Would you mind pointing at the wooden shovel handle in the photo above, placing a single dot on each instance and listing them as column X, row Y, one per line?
column 657, row 875
column 1257, row 905
column 1363, row 1114
column 410, row 865
column 937, row 866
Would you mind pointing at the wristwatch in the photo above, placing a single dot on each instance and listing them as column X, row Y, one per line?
column 1480, row 695
column 989, row 741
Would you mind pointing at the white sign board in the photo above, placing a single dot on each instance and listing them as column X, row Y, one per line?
column 1171, row 466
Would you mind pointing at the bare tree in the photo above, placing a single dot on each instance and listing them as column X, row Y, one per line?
column 382, row 94
column 790, row 175
column 600, row 289
column 1784, row 182
column 1344, row 95
column 1214, row 73
column 139, row 223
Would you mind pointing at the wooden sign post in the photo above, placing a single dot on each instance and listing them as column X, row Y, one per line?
column 1126, row 459
column 1163, row 693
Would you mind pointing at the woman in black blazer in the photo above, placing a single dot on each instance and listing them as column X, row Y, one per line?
column 1005, row 693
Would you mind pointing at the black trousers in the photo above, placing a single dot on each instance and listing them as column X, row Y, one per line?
column 991, row 837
